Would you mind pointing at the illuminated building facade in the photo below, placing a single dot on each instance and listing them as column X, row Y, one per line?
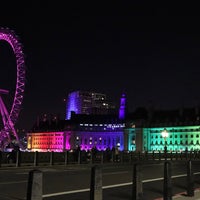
column 84, row 102
column 103, row 136
column 49, row 141
column 143, row 133
column 100, row 136
column 136, row 132
column 85, row 131
column 180, row 138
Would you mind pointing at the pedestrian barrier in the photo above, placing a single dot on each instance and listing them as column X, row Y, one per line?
column 167, row 182
column 34, row 190
column 137, row 189
column 96, row 183
column 20, row 158
column 190, row 179
column 35, row 185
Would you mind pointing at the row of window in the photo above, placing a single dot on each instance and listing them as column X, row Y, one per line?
column 47, row 138
column 47, row 147
column 175, row 130
column 47, row 143
column 100, row 129
column 90, row 141
column 175, row 142
column 79, row 141
column 176, row 136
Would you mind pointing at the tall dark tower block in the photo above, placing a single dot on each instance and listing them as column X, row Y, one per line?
column 86, row 102
column 122, row 107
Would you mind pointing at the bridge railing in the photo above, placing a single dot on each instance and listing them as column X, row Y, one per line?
column 20, row 158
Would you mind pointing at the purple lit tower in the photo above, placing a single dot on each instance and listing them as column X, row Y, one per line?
column 73, row 104
column 122, row 108
column 86, row 102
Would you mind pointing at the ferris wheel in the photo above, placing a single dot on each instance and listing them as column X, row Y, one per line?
column 9, row 117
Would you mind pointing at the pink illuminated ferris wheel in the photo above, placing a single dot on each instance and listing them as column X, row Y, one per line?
column 9, row 117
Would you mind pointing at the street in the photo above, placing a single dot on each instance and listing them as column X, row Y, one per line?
column 73, row 182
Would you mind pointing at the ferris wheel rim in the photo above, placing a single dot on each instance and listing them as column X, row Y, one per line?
column 13, row 40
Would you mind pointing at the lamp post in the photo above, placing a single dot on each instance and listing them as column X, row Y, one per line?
column 165, row 135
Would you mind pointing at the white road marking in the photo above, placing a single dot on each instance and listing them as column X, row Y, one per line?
column 88, row 189
column 110, row 186
column 12, row 182
column 112, row 173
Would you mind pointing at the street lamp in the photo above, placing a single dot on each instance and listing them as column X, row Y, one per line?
column 165, row 135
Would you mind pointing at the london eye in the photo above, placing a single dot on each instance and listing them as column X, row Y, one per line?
column 10, row 116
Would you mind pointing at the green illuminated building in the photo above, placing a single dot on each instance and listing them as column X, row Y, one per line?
column 182, row 128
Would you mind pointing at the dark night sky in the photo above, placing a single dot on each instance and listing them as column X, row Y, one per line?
column 152, row 52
